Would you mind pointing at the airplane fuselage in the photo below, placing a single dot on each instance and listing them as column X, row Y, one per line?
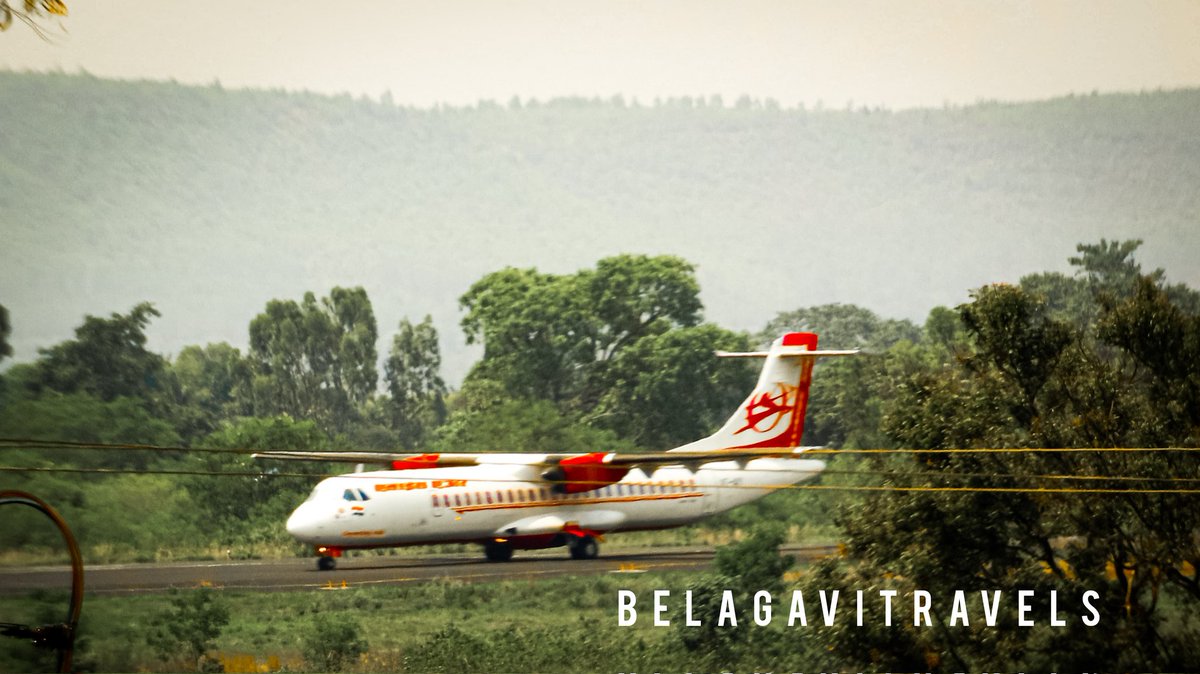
column 510, row 503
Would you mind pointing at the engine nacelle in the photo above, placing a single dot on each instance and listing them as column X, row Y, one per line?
column 587, row 472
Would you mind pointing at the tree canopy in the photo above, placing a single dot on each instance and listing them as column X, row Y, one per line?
column 315, row 359
column 1022, row 377
column 108, row 358
column 619, row 346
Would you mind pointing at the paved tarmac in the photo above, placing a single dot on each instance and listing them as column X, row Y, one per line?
column 302, row 574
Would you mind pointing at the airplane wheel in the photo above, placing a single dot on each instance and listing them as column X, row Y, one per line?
column 585, row 547
column 498, row 552
column 326, row 563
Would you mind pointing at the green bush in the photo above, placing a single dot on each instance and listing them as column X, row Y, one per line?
column 333, row 642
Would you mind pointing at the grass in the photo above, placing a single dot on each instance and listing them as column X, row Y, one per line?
column 399, row 623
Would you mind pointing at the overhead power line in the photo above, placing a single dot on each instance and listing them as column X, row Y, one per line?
column 28, row 443
column 761, row 487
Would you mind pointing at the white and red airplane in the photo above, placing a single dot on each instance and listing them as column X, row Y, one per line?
column 512, row 502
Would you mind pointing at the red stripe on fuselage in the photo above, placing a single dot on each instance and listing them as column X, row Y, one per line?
column 553, row 504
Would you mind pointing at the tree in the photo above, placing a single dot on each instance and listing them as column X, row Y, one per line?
column 107, row 359
column 315, row 359
column 534, row 330
column 1108, row 266
column 1012, row 332
column 634, row 296
column 1112, row 274
column 552, row 337
column 417, row 391
column 5, row 331
column 1024, row 378
column 210, row 384
column 30, row 13
column 1165, row 340
column 237, row 507
column 842, row 326
column 667, row 389
column 618, row 347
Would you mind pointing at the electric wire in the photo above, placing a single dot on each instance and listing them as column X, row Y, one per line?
column 28, row 443
column 599, row 483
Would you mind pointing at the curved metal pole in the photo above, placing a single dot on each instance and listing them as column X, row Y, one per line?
column 59, row 637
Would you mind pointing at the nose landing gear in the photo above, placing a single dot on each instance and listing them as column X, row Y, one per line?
column 327, row 558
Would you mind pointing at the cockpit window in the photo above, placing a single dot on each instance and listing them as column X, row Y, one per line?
column 349, row 495
column 362, row 494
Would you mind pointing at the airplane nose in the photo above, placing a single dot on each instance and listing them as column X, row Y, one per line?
column 305, row 524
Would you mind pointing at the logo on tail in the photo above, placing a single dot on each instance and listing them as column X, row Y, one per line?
column 767, row 407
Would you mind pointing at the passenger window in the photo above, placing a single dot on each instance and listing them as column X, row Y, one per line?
column 489, row 497
column 457, row 503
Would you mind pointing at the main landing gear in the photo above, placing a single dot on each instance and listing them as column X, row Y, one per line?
column 498, row 551
column 583, row 547
column 580, row 547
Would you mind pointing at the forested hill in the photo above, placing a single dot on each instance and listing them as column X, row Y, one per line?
column 208, row 202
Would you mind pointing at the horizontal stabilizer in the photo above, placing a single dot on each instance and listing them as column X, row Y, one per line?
column 782, row 353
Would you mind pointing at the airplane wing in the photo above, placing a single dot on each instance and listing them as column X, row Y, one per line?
column 394, row 461
column 398, row 461
column 567, row 473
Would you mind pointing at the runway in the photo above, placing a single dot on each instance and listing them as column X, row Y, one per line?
column 302, row 574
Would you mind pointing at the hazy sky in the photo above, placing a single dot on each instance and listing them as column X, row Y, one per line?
column 893, row 53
